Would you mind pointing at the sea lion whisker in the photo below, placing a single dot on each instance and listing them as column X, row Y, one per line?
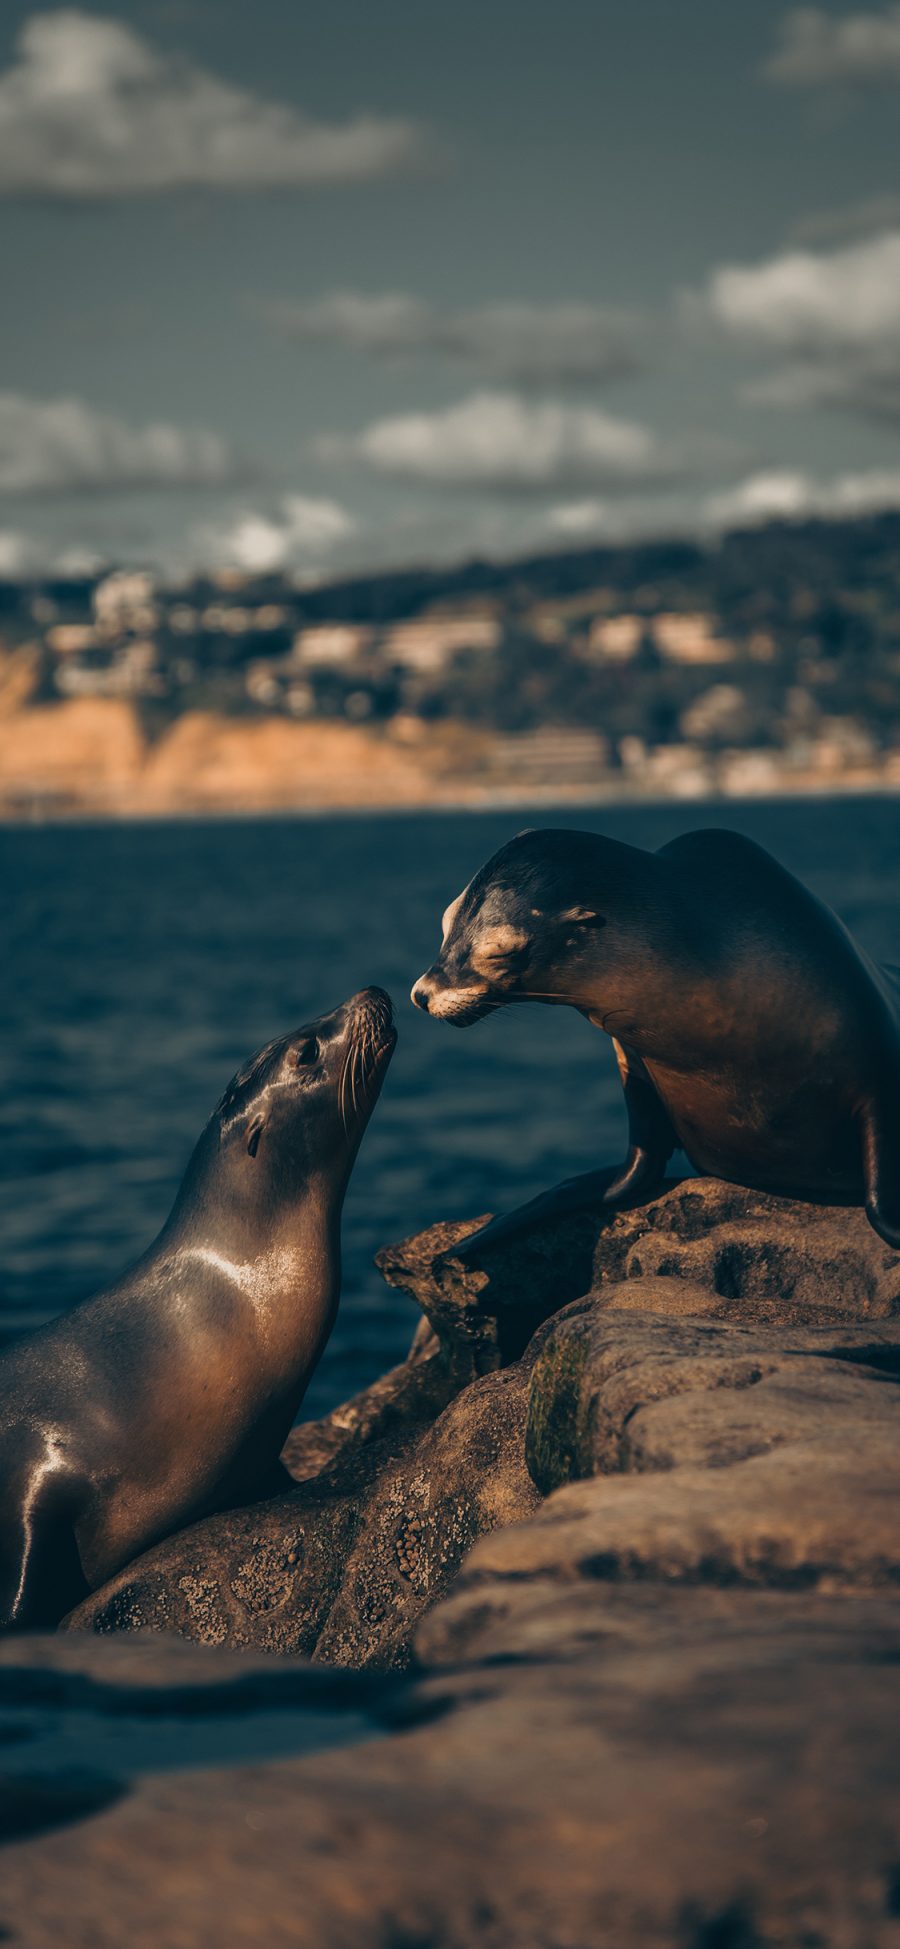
column 354, row 1066
column 342, row 1092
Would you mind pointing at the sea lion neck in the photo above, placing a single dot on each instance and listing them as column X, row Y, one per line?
column 620, row 975
column 287, row 1220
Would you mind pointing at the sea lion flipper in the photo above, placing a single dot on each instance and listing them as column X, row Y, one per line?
column 613, row 1188
column 651, row 1138
column 881, row 1164
column 40, row 1568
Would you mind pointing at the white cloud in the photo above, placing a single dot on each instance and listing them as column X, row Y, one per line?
column 301, row 530
column 817, row 49
column 61, row 445
column 808, row 301
column 89, row 108
column 500, row 442
column 831, row 318
column 787, row 494
column 568, row 343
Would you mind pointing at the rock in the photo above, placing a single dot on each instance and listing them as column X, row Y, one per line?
column 695, row 1454
column 396, row 1487
column 762, row 1258
column 705, row 1770
column 743, row 1254
column 617, row 1392
column 641, row 1543
column 486, row 1313
column 465, row 1477
column 344, row 1565
column 410, row 1396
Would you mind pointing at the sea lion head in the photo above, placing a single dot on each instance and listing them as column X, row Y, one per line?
column 517, row 932
column 298, row 1109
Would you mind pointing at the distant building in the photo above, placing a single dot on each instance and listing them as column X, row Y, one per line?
column 617, row 638
column 300, row 699
column 238, row 619
column 546, row 622
column 214, row 618
column 262, row 685
column 124, row 603
column 749, row 774
column 68, row 639
column 102, row 672
column 555, row 753
column 681, row 771
column 428, row 642
column 330, row 645
column 689, row 638
column 842, row 744
column 719, row 715
column 183, row 619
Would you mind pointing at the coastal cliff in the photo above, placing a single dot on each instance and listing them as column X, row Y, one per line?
column 100, row 757
column 600, row 1593
column 90, row 756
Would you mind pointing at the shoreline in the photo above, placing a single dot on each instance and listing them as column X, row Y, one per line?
column 550, row 797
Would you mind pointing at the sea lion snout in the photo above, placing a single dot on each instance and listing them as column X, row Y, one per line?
column 371, row 1013
column 375, row 1002
column 420, row 993
column 436, row 994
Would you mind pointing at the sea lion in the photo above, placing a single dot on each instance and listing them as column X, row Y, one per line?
column 750, row 1029
column 170, row 1394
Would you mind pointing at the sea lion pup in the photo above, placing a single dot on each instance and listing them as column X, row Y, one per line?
column 170, row 1394
column 749, row 1029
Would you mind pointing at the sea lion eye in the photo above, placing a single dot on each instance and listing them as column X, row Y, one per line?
column 308, row 1052
column 253, row 1135
column 508, row 957
column 582, row 917
column 504, row 947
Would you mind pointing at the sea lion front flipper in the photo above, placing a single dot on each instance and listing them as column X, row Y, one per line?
column 881, row 1164
column 651, row 1138
column 574, row 1194
column 40, row 1569
column 651, row 1141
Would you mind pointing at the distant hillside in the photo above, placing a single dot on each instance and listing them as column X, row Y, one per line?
column 768, row 660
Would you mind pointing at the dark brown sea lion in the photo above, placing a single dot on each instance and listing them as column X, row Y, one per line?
column 750, row 1029
column 170, row 1394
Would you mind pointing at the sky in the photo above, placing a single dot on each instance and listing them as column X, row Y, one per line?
column 323, row 289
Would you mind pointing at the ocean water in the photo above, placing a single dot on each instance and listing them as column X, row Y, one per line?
column 145, row 962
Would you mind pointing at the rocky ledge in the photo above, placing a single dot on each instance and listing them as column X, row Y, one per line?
column 587, row 1616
